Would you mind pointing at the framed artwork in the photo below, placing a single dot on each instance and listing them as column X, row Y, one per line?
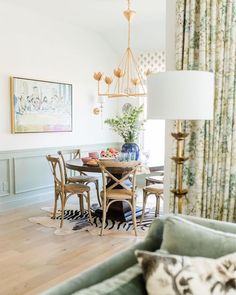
column 40, row 106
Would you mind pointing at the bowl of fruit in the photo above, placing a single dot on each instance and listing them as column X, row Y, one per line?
column 109, row 153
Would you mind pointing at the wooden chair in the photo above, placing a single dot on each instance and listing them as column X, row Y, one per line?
column 111, row 194
column 83, row 177
column 64, row 190
column 157, row 191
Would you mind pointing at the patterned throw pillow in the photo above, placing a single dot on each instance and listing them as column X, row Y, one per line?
column 182, row 275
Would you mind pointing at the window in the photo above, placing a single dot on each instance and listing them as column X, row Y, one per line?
column 153, row 140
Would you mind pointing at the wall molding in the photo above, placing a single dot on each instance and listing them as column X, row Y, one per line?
column 84, row 148
column 20, row 166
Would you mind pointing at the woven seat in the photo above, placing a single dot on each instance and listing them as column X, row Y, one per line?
column 155, row 190
column 76, row 188
column 118, row 194
column 65, row 190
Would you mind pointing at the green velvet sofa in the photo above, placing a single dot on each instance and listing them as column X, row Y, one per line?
column 126, row 260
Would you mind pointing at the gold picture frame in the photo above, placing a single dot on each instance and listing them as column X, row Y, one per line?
column 39, row 106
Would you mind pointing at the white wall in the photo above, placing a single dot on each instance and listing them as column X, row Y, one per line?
column 34, row 46
column 146, row 37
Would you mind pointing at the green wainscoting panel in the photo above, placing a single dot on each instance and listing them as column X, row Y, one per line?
column 25, row 176
column 4, row 177
column 36, row 176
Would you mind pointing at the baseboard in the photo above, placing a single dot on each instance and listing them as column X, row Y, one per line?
column 24, row 201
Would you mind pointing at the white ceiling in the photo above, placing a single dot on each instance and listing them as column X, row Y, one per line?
column 105, row 17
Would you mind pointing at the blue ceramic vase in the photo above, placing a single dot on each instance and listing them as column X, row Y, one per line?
column 131, row 148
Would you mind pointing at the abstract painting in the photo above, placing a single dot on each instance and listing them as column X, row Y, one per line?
column 40, row 106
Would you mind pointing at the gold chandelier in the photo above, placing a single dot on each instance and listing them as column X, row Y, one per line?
column 127, row 80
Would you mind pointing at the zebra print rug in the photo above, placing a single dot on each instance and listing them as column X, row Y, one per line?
column 82, row 220
column 74, row 222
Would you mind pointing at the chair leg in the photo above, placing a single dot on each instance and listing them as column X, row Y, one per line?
column 144, row 205
column 156, row 211
column 104, row 215
column 81, row 203
column 98, row 194
column 134, row 216
column 55, row 205
column 157, row 205
column 88, row 202
column 63, row 202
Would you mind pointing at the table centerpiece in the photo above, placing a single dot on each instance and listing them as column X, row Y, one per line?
column 128, row 125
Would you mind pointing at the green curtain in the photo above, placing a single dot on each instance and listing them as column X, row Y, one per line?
column 206, row 40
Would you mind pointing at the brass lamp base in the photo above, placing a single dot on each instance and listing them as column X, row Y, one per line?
column 179, row 159
column 180, row 195
column 179, row 135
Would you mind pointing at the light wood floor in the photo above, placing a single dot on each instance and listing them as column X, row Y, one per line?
column 33, row 258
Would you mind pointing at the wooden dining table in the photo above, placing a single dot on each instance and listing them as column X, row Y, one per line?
column 118, row 210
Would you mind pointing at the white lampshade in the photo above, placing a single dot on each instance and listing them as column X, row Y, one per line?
column 180, row 95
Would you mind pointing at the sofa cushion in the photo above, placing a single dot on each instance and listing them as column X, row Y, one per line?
column 172, row 274
column 129, row 281
column 183, row 237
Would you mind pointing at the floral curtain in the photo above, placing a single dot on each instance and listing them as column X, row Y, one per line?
column 206, row 40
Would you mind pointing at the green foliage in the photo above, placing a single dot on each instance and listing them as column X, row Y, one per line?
column 127, row 125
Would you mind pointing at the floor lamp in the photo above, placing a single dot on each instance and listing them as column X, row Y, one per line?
column 180, row 95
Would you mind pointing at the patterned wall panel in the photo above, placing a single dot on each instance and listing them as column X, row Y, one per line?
column 154, row 61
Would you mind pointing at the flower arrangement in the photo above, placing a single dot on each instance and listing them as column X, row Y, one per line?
column 128, row 125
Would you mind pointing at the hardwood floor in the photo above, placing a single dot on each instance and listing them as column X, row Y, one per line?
column 33, row 258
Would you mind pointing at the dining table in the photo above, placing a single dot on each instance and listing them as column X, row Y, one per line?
column 120, row 211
